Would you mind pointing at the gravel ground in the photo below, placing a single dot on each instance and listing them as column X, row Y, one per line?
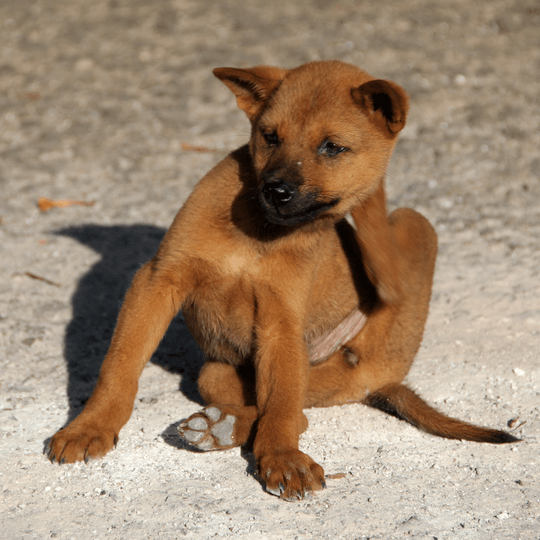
column 96, row 101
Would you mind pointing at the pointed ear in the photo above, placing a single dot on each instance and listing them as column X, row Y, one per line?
column 384, row 102
column 252, row 87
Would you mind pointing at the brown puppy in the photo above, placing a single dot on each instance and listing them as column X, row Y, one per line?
column 292, row 306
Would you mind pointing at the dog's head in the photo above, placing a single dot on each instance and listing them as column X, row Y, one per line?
column 322, row 135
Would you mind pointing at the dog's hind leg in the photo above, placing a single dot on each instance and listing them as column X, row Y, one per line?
column 401, row 264
column 230, row 416
column 228, row 419
column 398, row 253
column 371, row 367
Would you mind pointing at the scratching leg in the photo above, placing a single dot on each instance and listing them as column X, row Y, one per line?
column 383, row 351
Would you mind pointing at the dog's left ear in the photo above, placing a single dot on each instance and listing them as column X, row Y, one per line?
column 252, row 87
column 384, row 102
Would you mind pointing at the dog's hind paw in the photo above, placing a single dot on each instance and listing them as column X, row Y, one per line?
column 210, row 429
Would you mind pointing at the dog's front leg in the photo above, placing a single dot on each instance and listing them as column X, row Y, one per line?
column 153, row 299
column 282, row 376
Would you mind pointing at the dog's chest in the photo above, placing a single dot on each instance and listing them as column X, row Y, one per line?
column 238, row 266
column 237, row 280
column 221, row 310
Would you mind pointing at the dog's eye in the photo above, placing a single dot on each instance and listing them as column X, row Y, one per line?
column 270, row 137
column 331, row 149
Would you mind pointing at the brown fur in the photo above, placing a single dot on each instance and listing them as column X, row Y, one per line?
column 268, row 271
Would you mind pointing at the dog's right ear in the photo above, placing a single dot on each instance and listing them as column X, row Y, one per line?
column 252, row 87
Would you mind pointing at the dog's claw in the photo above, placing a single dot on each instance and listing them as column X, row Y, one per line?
column 52, row 456
column 293, row 497
column 276, row 491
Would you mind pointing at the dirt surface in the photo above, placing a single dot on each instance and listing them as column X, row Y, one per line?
column 96, row 99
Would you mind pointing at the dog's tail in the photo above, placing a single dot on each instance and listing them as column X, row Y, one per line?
column 402, row 402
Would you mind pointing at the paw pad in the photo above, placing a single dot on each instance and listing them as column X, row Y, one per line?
column 210, row 429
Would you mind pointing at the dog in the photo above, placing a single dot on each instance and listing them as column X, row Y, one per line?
column 293, row 306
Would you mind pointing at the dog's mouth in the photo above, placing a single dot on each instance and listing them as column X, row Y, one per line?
column 281, row 208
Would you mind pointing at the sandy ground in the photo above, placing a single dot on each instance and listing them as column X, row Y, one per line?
column 96, row 99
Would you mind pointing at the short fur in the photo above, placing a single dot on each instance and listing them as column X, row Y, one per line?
column 292, row 306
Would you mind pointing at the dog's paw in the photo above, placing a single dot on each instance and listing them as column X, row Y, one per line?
column 210, row 429
column 291, row 475
column 82, row 442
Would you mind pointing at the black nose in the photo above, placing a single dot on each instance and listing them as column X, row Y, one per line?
column 278, row 193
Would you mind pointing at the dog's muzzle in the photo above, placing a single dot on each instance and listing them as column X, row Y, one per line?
column 285, row 203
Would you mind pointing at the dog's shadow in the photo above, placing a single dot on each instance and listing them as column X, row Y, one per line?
column 97, row 301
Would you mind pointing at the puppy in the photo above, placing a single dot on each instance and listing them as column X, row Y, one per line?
column 292, row 306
